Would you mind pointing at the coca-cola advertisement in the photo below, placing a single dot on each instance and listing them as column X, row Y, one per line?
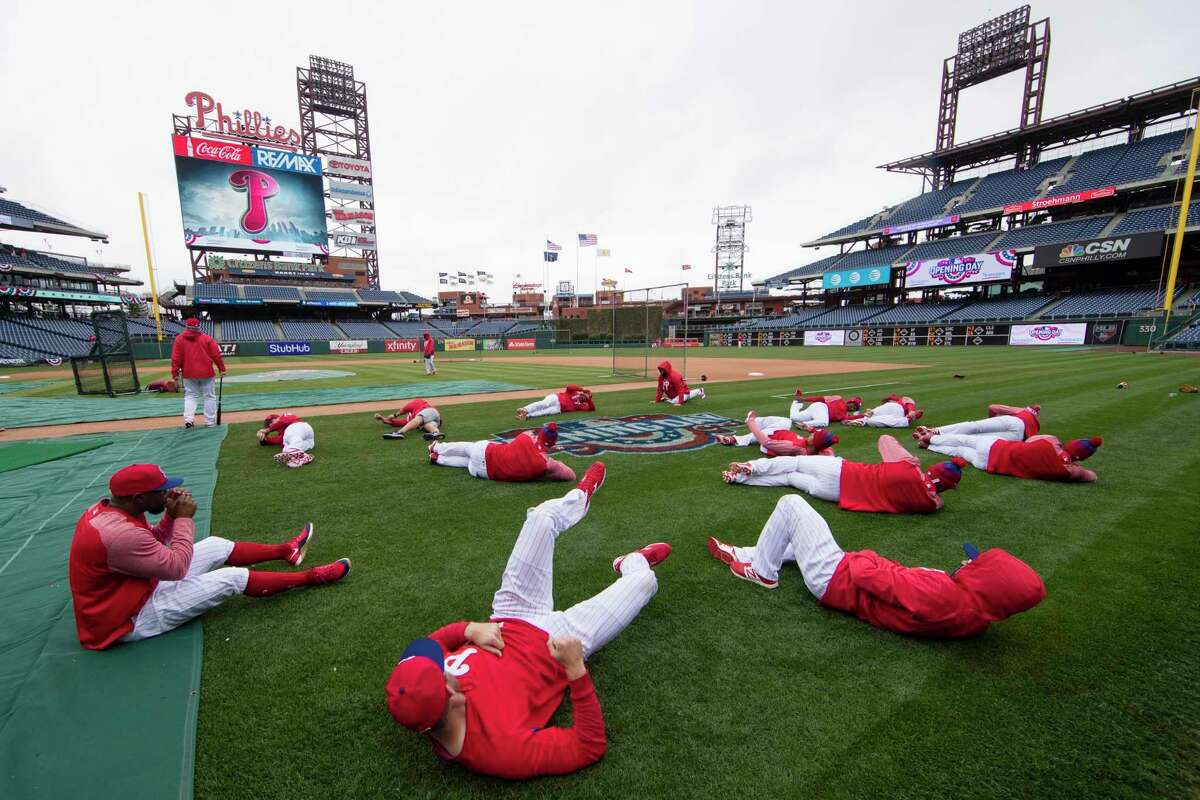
column 212, row 150
column 241, row 206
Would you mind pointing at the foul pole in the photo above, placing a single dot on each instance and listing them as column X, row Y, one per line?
column 1184, row 203
column 158, row 332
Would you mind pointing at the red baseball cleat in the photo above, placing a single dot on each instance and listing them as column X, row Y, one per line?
column 330, row 573
column 740, row 468
column 729, row 477
column 299, row 545
column 746, row 572
column 799, row 394
column 726, row 439
column 720, row 551
column 593, row 479
column 655, row 554
column 432, row 454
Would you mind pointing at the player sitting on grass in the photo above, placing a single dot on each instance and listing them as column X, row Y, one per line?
column 673, row 388
column 897, row 486
column 1040, row 458
column 130, row 581
column 1012, row 423
column 162, row 385
column 293, row 434
column 414, row 414
column 823, row 409
column 482, row 692
column 525, row 458
column 572, row 398
column 919, row 601
column 896, row 412
column 774, row 438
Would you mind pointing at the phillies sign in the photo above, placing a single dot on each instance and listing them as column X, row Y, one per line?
column 247, row 124
column 227, row 152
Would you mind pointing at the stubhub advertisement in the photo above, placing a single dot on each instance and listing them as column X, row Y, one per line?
column 289, row 348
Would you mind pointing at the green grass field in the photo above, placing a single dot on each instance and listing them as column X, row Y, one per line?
column 722, row 689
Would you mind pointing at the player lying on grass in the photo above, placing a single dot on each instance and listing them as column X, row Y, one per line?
column 525, row 458
column 162, row 385
column 1040, row 458
column 896, row 486
column 572, row 398
column 412, row 415
column 672, row 388
column 920, row 601
column 896, row 412
column 293, row 434
column 1013, row 423
column 482, row 692
column 822, row 409
column 774, row 437
column 130, row 581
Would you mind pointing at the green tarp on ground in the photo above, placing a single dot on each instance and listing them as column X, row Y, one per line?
column 20, row 386
column 25, row 454
column 25, row 412
column 76, row 723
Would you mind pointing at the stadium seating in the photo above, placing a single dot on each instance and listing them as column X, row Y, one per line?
column 1000, row 309
column 246, row 330
column 863, row 224
column 952, row 247
column 365, row 329
column 912, row 313
column 1000, row 188
column 217, row 290
column 413, row 330
column 145, row 327
column 330, row 296
column 795, row 320
column 808, row 270
column 308, row 329
column 1055, row 233
column 523, row 327
column 26, row 333
column 1108, row 302
column 846, row 315
column 492, row 327
column 863, row 258
column 14, row 209
column 929, row 205
column 76, row 329
column 378, row 296
column 1187, row 337
column 1156, row 219
column 1089, row 170
column 262, row 292
column 1142, row 160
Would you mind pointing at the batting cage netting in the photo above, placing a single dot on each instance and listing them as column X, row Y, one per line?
column 635, row 327
column 109, row 368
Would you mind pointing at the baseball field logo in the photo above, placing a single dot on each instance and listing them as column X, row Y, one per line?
column 1045, row 333
column 640, row 433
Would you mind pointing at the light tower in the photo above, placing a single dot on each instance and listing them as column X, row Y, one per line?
column 730, row 250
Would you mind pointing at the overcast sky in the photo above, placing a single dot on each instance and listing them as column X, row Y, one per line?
column 495, row 126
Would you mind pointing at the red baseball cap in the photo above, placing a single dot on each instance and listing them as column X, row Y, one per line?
column 139, row 478
column 192, row 322
column 416, row 689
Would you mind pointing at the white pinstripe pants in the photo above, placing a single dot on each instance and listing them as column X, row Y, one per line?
column 203, row 588
column 527, row 588
column 540, row 408
column 795, row 532
column 471, row 455
column 680, row 399
column 1004, row 426
column 815, row 416
column 975, row 449
column 820, row 476
column 767, row 425
column 888, row 415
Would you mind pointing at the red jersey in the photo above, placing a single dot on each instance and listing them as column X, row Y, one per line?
column 275, row 429
column 1032, row 425
column 574, row 398
column 518, row 460
column 893, row 487
column 929, row 602
column 835, row 404
column 427, row 347
column 193, row 355
column 414, row 407
column 1039, row 461
column 511, row 697
column 670, row 385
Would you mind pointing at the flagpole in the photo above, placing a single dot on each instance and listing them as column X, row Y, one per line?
column 596, row 276
column 577, row 271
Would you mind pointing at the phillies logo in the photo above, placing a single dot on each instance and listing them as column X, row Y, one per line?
column 210, row 115
column 640, row 433
column 258, row 186
column 1045, row 333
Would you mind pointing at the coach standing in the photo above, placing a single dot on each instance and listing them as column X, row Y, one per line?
column 427, row 351
column 192, row 358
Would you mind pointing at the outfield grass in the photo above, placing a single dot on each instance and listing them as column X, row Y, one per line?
column 722, row 689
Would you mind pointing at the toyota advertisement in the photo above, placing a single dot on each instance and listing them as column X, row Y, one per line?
column 980, row 268
column 249, row 199
column 1049, row 333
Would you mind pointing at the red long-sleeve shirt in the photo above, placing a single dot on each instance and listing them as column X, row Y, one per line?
column 427, row 346
column 511, row 697
column 193, row 355
column 671, row 384
column 834, row 402
column 275, row 429
column 575, row 398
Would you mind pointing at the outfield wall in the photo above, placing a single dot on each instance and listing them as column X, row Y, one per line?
column 1027, row 334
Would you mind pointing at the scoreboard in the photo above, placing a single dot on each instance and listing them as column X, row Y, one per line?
column 891, row 336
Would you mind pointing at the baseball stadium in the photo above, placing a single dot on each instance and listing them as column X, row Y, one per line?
column 640, row 541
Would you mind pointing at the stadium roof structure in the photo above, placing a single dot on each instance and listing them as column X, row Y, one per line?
column 1126, row 113
column 24, row 217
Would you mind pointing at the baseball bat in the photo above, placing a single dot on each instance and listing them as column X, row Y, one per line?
column 220, row 396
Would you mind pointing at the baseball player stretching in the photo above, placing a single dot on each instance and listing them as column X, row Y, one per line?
column 482, row 692
column 896, row 412
column 572, row 398
column 414, row 414
column 525, row 458
column 1041, row 458
column 823, row 409
column 1012, row 423
column 913, row 600
column 130, row 581
column 897, row 486
column 673, row 388
column 774, row 438
column 291, row 433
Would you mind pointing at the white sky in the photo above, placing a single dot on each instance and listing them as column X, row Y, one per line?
column 495, row 126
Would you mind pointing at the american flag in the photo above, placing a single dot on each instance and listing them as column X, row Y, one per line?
column 627, row 269
column 685, row 266
column 586, row 239
column 552, row 247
